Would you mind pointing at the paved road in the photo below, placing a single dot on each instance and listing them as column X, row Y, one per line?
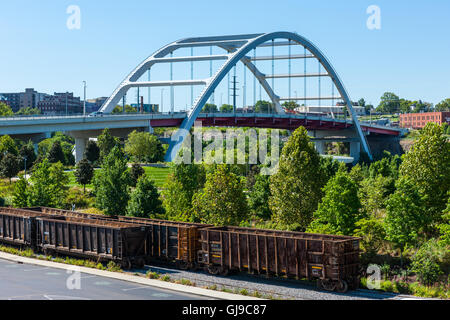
column 29, row 282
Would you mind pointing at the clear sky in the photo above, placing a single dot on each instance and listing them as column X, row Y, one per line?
column 409, row 55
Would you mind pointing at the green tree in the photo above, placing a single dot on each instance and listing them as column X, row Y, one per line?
column 209, row 108
column 444, row 227
column 28, row 111
column 5, row 110
column 143, row 146
column 330, row 166
column 262, row 106
column 406, row 215
column 258, row 199
column 84, row 173
column 371, row 230
column 111, row 184
column 226, row 108
column 27, row 151
column 339, row 209
column 373, row 193
column 9, row 166
column 428, row 260
column 290, row 105
column 427, row 165
column 300, row 169
column 128, row 109
column 443, row 105
column 180, row 186
column 222, row 202
column 135, row 173
column 56, row 153
column 106, row 142
column 389, row 103
column 48, row 185
column 7, row 145
column 20, row 195
column 176, row 201
column 92, row 152
column 144, row 201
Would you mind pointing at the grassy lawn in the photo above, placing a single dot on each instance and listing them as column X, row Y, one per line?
column 158, row 175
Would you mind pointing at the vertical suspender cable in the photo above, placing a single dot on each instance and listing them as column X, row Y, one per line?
column 172, row 102
column 290, row 68
column 210, row 72
column 273, row 72
column 320, row 101
column 254, row 79
column 244, row 91
column 149, row 90
column 304, row 78
column 192, row 78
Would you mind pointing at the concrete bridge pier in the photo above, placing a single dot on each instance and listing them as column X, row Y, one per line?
column 355, row 151
column 80, row 148
column 320, row 147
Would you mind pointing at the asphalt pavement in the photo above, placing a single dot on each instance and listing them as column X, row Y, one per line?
column 31, row 282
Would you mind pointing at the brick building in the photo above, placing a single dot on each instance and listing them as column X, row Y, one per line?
column 60, row 104
column 28, row 99
column 419, row 120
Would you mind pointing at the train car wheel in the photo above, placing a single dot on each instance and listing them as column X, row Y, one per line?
column 342, row 286
column 213, row 270
column 140, row 262
column 224, row 271
column 182, row 265
column 126, row 264
column 328, row 285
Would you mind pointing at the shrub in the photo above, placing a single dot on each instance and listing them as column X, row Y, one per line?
column 426, row 262
column 153, row 275
column 165, row 278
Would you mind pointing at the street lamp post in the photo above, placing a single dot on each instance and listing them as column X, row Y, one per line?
column 84, row 101
column 25, row 160
column 162, row 100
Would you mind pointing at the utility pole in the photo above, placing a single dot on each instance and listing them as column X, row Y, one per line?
column 84, row 101
column 234, row 94
column 162, row 100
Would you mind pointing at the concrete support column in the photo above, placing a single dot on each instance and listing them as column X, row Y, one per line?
column 80, row 147
column 320, row 147
column 355, row 151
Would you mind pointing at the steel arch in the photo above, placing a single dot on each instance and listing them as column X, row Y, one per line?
column 237, row 46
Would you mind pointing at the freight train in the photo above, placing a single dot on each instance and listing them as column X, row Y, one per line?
column 333, row 261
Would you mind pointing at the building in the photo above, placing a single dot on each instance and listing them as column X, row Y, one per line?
column 4, row 100
column 93, row 105
column 148, row 108
column 61, row 104
column 28, row 99
column 419, row 120
column 360, row 111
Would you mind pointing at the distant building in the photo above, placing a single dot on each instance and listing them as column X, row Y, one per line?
column 360, row 111
column 93, row 105
column 4, row 100
column 28, row 99
column 60, row 104
column 147, row 107
column 419, row 120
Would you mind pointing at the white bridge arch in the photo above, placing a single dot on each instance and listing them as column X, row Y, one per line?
column 237, row 47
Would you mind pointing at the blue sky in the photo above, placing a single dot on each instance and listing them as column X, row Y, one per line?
column 409, row 55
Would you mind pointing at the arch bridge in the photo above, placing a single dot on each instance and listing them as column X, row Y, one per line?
column 234, row 50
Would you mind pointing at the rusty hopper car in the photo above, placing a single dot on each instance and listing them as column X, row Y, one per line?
column 102, row 240
column 67, row 213
column 171, row 241
column 18, row 227
column 331, row 260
